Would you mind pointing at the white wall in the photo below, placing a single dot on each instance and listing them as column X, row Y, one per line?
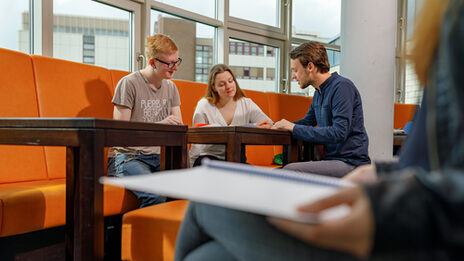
column 368, row 39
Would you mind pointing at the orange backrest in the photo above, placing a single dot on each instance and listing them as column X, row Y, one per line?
column 116, row 75
column 19, row 99
column 402, row 114
column 260, row 98
column 69, row 89
column 288, row 106
column 190, row 93
column 259, row 154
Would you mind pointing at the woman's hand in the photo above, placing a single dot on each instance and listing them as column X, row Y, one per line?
column 352, row 233
column 362, row 174
column 264, row 124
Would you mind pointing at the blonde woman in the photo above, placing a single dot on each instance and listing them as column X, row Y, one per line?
column 224, row 104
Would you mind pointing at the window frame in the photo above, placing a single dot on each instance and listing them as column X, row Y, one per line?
column 41, row 34
column 226, row 27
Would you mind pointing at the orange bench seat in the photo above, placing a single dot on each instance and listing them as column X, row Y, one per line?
column 32, row 178
column 150, row 233
column 36, row 205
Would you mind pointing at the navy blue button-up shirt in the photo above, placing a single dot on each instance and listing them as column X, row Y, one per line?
column 337, row 111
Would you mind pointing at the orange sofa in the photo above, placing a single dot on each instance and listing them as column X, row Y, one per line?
column 32, row 178
column 403, row 113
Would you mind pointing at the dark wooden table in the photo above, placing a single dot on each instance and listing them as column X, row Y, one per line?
column 398, row 141
column 237, row 137
column 85, row 139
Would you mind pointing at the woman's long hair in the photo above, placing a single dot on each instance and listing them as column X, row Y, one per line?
column 426, row 35
column 211, row 95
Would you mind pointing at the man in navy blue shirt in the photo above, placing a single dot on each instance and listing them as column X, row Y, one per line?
column 335, row 118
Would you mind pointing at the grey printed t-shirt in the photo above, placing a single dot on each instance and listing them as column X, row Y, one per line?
column 147, row 105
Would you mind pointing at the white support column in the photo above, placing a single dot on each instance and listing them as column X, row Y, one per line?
column 368, row 39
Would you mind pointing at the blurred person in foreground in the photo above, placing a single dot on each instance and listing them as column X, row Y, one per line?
column 410, row 211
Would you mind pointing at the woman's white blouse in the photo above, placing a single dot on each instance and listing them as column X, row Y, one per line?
column 246, row 112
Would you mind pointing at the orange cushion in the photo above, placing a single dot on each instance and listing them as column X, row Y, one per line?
column 402, row 114
column 117, row 200
column 22, row 163
column 150, row 233
column 258, row 154
column 19, row 99
column 44, row 202
column 287, row 106
column 260, row 98
column 116, row 75
column 69, row 89
column 190, row 93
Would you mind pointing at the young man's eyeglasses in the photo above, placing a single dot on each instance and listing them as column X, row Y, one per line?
column 170, row 65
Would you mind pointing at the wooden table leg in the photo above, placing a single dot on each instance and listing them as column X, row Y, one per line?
column 180, row 155
column 166, row 157
column 84, row 215
column 286, row 154
column 71, row 154
column 234, row 149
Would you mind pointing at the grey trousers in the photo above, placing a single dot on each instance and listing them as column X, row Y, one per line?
column 215, row 233
column 334, row 168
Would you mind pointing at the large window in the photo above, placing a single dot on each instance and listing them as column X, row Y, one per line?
column 14, row 25
column 254, row 65
column 261, row 11
column 89, row 32
column 203, row 7
column 250, row 36
column 316, row 20
column 412, row 90
column 194, row 40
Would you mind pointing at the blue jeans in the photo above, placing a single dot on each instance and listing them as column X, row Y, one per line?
column 131, row 165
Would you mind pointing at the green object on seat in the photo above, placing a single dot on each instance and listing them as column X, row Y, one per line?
column 278, row 159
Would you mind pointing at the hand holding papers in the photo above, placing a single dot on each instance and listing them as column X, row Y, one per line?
column 243, row 187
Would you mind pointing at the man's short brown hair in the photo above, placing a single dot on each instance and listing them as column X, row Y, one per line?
column 311, row 52
column 159, row 44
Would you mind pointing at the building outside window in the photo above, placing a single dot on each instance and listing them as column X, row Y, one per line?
column 88, row 49
column 314, row 20
column 411, row 86
column 202, row 65
column 14, row 25
column 254, row 36
column 250, row 65
column 90, row 32
column 194, row 40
